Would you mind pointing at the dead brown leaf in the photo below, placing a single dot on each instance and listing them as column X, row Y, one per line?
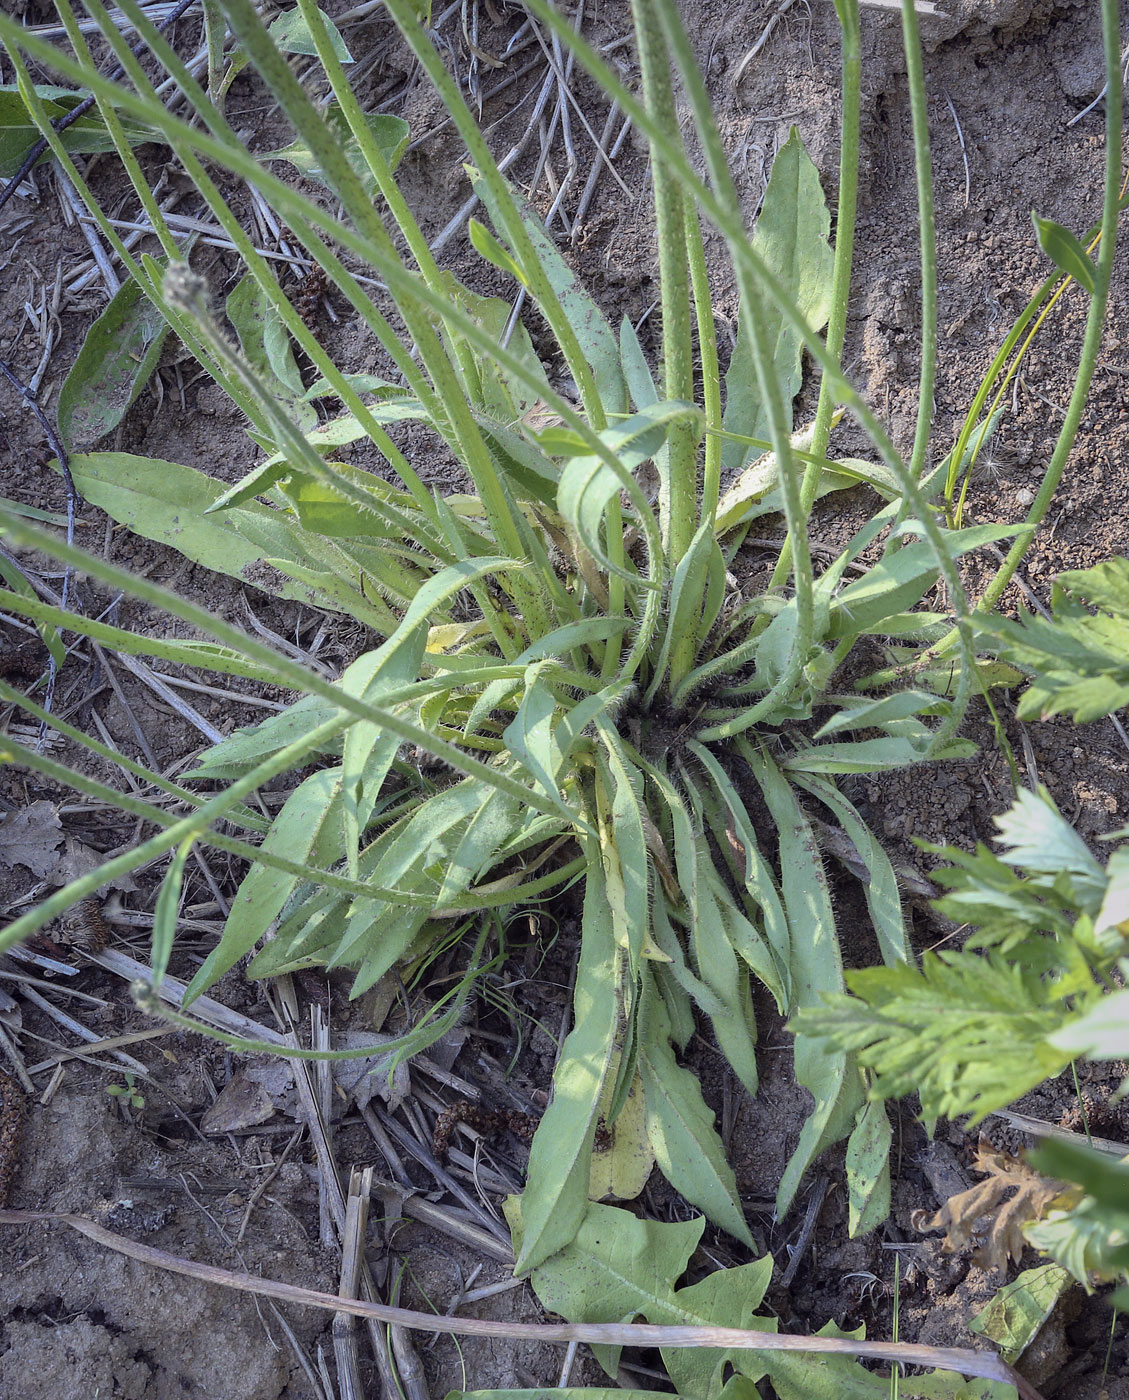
column 31, row 837
column 241, row 1104
column 991, row 1215
column 79, row 859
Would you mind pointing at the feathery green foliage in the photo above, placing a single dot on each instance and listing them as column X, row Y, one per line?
column 972, row 1030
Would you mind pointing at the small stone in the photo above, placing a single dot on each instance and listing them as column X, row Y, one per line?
column 1024, row 497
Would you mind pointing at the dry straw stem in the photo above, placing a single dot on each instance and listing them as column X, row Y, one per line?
column 984, row 1365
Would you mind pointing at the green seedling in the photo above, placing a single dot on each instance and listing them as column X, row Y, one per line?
column 127, row 1093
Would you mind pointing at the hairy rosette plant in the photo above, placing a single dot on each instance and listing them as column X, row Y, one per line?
column 606, row 706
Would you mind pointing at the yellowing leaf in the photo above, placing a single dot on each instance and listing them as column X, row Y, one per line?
column 1013, row 1317
column 621, row 1169
column 449, row 635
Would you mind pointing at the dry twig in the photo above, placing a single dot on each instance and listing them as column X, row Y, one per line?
column 982, row 1364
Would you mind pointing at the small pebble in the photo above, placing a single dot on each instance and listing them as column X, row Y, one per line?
column 1024, row 497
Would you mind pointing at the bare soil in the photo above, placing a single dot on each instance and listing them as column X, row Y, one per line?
column 1005, row 79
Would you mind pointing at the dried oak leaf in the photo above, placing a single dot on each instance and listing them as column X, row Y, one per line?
column 992, row 1213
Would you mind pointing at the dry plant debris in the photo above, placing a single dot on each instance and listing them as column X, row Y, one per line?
column 992, row 1213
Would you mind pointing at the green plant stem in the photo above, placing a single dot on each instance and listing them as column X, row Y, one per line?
column 679, row 492
column 288, row 673
column 927, row 237
column 302, row 213
column 176, row 832
column 258, row 266
column 193, row 825
column 467, row 439
column 719, row 202
column 148, row 999
column 459, row 426
column 304, row 216
column 449, row 678
column 215, row 33
column 407, row 17
column 778, row 413
column 846, row 214
column 707, row 351
column 11, row 696
column 1055, row 284
column 389, row 189
column 1091, row 342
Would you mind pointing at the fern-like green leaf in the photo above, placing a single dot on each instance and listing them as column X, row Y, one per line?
column 967, row 1031
column 1079, row 660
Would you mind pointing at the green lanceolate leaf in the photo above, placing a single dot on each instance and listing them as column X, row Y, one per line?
column 739, row 836
column 302, row 831
column 487, row 246
column 1065, row 250
column 756, row 491
column 680, row 1125
column 390, row 133
column 529, row 736
column 883, row 898
column 894, row 585
column 873, row 755
column 118, row 356
column 292, row 35
column 167, row 502
column 816, row 969
column 897, row 583
column 86, row 136
column 368, row 749
column 498, row 817
column 696, row 595
column 861, row 713
column 596, row 338
column 623, row 847
column 718, row 967
column 555, row 1200
column 791, row 236
column 504, row 397
column 163, row 501
column 588, row 484
column 166, row 916
column 868, row 1169
column 636, row 371
column 266, row 346
column 245, row 748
